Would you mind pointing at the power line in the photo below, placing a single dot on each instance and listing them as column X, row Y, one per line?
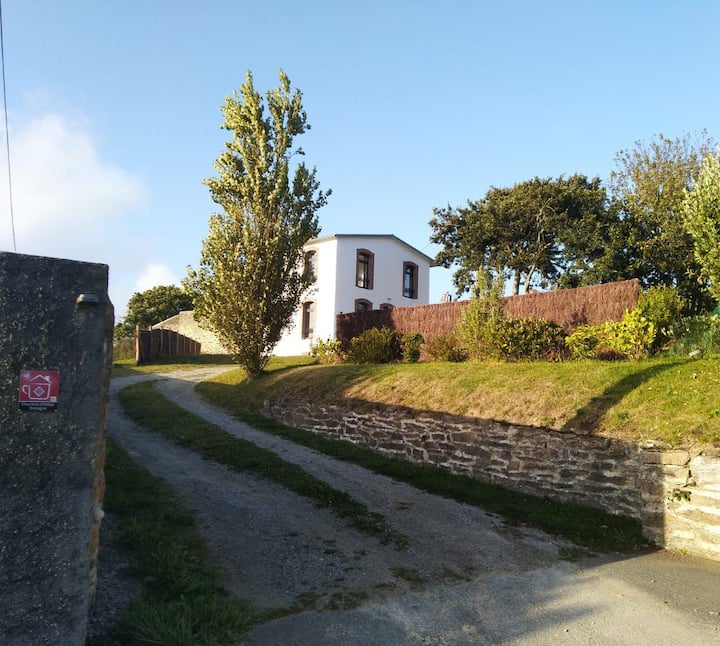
column 7, row 132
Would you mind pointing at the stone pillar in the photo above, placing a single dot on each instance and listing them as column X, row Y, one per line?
column 56, row 325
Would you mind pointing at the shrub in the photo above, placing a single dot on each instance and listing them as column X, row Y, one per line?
column 376, row 345
column 663, row 306
column 476, row 328
column 631, row 338
column 326, row 352
column 584, row 340
column 410, row 346
column 698, row 333
column 446, row 347
column 520, row 339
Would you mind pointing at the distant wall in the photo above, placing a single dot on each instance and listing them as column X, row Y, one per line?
column 185, row 324
column 51, row 478
column 567, row 307
column 162, row 342
column 674, row 493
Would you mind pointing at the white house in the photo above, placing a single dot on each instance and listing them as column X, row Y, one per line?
column 355, row 272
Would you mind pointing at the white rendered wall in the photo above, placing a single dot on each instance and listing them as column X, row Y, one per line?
column 335, row 290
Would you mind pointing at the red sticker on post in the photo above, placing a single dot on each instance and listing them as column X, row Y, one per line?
column 39, row 390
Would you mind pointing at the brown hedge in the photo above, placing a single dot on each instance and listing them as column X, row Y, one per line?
column 569, row 308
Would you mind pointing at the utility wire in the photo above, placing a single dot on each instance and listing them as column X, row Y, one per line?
column 7, row 132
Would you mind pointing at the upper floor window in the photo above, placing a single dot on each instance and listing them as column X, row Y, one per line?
column 364, row 269
column 308, row 319
column 410, row 280
column 310, row 264
column 362, row 305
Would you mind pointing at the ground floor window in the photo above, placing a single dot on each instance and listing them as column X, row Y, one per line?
column 308, row 319
column 362, row 305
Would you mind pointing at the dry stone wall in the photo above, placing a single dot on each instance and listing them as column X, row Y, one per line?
column 675, row 493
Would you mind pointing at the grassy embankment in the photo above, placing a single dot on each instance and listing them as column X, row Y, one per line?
column 668, row 400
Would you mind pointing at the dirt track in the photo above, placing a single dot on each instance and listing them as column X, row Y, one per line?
column 464, row 579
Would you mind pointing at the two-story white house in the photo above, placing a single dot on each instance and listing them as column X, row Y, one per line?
column 355, row 272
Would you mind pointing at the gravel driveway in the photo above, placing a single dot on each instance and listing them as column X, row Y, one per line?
column 465, row 577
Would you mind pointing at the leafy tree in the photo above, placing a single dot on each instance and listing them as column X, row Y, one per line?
column 541, row 232
column 649, row 241
column 250, row 280
column 152, row 306
column 702, row 222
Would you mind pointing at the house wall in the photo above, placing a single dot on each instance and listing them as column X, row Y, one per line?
column 389, row 254
column 335, row 290
column 322, row 293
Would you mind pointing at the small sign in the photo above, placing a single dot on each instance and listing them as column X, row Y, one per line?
column 39, row 390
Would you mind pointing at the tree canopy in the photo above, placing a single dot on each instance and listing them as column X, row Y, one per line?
column 152, row 306
column 541, row 233
column 701, row 210
column 648, row 191
column 250, row 279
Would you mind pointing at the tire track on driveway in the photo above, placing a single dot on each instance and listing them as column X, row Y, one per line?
column 464, row 579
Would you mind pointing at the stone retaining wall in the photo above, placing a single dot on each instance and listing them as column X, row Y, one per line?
column 675, row 493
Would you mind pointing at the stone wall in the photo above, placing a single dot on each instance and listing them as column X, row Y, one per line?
column 184, row 323
column 675, row 493
column 55, row 318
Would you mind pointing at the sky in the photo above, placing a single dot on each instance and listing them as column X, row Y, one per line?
column 113, row 110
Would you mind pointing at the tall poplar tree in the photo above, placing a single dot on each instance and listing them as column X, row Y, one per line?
column 251, row 279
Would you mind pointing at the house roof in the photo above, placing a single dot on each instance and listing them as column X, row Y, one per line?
column 387, row 236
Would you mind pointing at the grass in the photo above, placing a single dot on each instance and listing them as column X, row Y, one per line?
column 670, row 400
column 143, row 404
column 181, row 601
column 125, row 367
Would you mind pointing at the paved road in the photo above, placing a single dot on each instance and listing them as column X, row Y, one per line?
column 465, row 579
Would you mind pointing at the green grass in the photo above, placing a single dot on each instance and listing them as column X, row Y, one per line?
column 669, row 400
column 143, row 404
column 125, row 367
column 181, row 601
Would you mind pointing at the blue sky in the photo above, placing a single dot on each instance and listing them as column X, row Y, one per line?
column 113, row 109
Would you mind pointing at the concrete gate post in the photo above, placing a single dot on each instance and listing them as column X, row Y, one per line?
column 56, row 325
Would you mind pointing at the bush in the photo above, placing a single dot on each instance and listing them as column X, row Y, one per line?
column 698, row 334
column 663, row 306
column 631, row 338
column 376, row 345
column 519, row 339
column 446, row 347
column 326, row 352
column 123, row 348
column 410, row 346
column 476, row 328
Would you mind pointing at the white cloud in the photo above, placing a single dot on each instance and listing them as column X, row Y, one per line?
column 153, row 275
column 67, row 199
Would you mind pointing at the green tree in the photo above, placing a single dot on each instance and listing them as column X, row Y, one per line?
column 152, row 306
column 648, row 190
column 250, row 279
column 541, row 232
column 701, row 209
